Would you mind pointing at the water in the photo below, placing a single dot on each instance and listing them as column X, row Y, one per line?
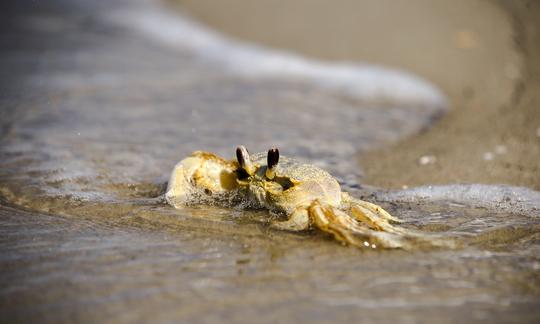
column 92, row 126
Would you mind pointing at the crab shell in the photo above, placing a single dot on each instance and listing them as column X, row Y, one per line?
column 309, row 183
column 206, row 177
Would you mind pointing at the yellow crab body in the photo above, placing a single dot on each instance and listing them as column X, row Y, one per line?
column 307, row 183
column 305, row 194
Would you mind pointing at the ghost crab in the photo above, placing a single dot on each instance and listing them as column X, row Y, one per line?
column 307, row 195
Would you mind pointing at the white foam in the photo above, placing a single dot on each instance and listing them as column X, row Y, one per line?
column 495, row 197
column 367, row 82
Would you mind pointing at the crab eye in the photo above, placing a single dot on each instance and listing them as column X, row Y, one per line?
column 242, row 155
column 272, row 160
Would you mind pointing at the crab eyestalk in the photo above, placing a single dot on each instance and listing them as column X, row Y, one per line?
column 272, row 160
column 242, row 155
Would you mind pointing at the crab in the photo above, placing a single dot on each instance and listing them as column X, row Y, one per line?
column 304, row 195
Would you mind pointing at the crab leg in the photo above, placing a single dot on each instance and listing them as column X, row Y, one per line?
column 298, row 221
column 373, row 218
column 372, row 207
column 327, row 221
column 349, row 231
column 377, row 218
column 368, row 230
column 366, row 226
column 343, row 227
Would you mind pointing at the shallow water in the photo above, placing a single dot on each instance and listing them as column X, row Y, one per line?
column 93, row 126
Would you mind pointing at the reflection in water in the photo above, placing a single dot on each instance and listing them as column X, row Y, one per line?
column 100, row 119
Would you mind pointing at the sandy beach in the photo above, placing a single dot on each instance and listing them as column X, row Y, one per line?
column 482, row 54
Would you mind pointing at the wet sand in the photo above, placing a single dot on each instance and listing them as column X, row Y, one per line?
column 484, row 55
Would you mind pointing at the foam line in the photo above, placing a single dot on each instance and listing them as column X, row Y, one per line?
column 366, row 82
column 495, row 197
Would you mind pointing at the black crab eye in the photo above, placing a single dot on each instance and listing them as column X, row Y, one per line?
column 242, row 156
column 272, row 159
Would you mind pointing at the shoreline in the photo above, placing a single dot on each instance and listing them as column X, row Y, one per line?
column 489, row 135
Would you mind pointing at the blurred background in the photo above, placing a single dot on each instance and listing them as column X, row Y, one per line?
column 482, row 54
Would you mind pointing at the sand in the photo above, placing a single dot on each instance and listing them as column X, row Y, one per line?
column 482, row 54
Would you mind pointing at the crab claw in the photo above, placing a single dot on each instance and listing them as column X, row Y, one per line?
column 201, row 175
column 180, row 186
